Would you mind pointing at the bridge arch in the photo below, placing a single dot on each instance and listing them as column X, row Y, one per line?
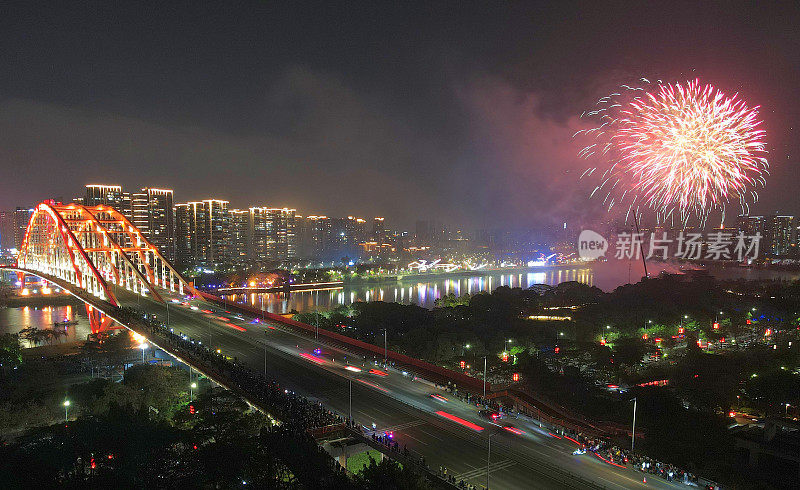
column 92, row 246
column 50, row 246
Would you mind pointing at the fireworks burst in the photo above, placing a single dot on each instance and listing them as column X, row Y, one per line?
column 681, row 150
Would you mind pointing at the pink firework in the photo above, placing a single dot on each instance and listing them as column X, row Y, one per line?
column 680, row 150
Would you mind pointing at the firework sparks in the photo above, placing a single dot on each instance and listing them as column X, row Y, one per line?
column 681, row 150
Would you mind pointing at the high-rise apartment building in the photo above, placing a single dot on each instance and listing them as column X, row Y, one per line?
column 6, row 230
column 240, row 237
column 202, row 232
column 750, row 225
column 314, row 237
column 184, row 215
column 284, row 228
column 273, row 233
column 156, row 218
column 378, row 230
column 779, row 235
column 140, row 212
column 346, row 236
column 21, row 218
column 109, row 195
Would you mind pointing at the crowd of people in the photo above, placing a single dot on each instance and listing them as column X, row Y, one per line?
column 459, row 482
column 629, row 459
column 602, row 448
column 290, row 408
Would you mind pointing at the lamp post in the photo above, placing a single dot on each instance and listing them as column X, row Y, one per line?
column 633, row 429
column 191, row 391
column 350, row 410
column 505, row 344
column 66, row 411
column 385, row 349
column 265, row 354
column 489, row 458
column 484, row 376
column 143, row 346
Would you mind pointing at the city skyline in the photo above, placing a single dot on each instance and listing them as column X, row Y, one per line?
column 468, row 122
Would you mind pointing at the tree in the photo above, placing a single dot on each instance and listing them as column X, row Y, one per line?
column 389, row 475
column 630, row 350
column 10, row 351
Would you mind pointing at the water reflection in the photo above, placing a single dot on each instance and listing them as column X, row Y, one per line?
column 13, row 320
column 421, row 293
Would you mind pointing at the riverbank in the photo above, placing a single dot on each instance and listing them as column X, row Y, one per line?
column 360, row 281
column 433, row 276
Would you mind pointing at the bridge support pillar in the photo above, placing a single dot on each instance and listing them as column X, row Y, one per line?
column 98, row 322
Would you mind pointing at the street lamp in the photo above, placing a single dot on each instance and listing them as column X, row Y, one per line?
column 143, row 346
column 66, row 411
column 191, row 391
column 489, row 458
column 265, row 354
column 633, row 429
column 484, row 376
column 505, row 344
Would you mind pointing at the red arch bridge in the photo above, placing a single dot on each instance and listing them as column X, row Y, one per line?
column 97, row 250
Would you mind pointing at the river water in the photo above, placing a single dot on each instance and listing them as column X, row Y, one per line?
column 606, row 276
column 423, row 293
column 12, row 320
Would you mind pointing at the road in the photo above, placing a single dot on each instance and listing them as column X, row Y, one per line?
column 446, row 431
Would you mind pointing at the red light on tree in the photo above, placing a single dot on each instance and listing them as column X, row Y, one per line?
column 463, row 364
column 681, row 330
column 716, row 325
column 505, row 356
column 557, row 350
column 515, row 377
column 191, row 409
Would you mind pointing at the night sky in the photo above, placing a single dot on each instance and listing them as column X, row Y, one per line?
column 458, row 111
